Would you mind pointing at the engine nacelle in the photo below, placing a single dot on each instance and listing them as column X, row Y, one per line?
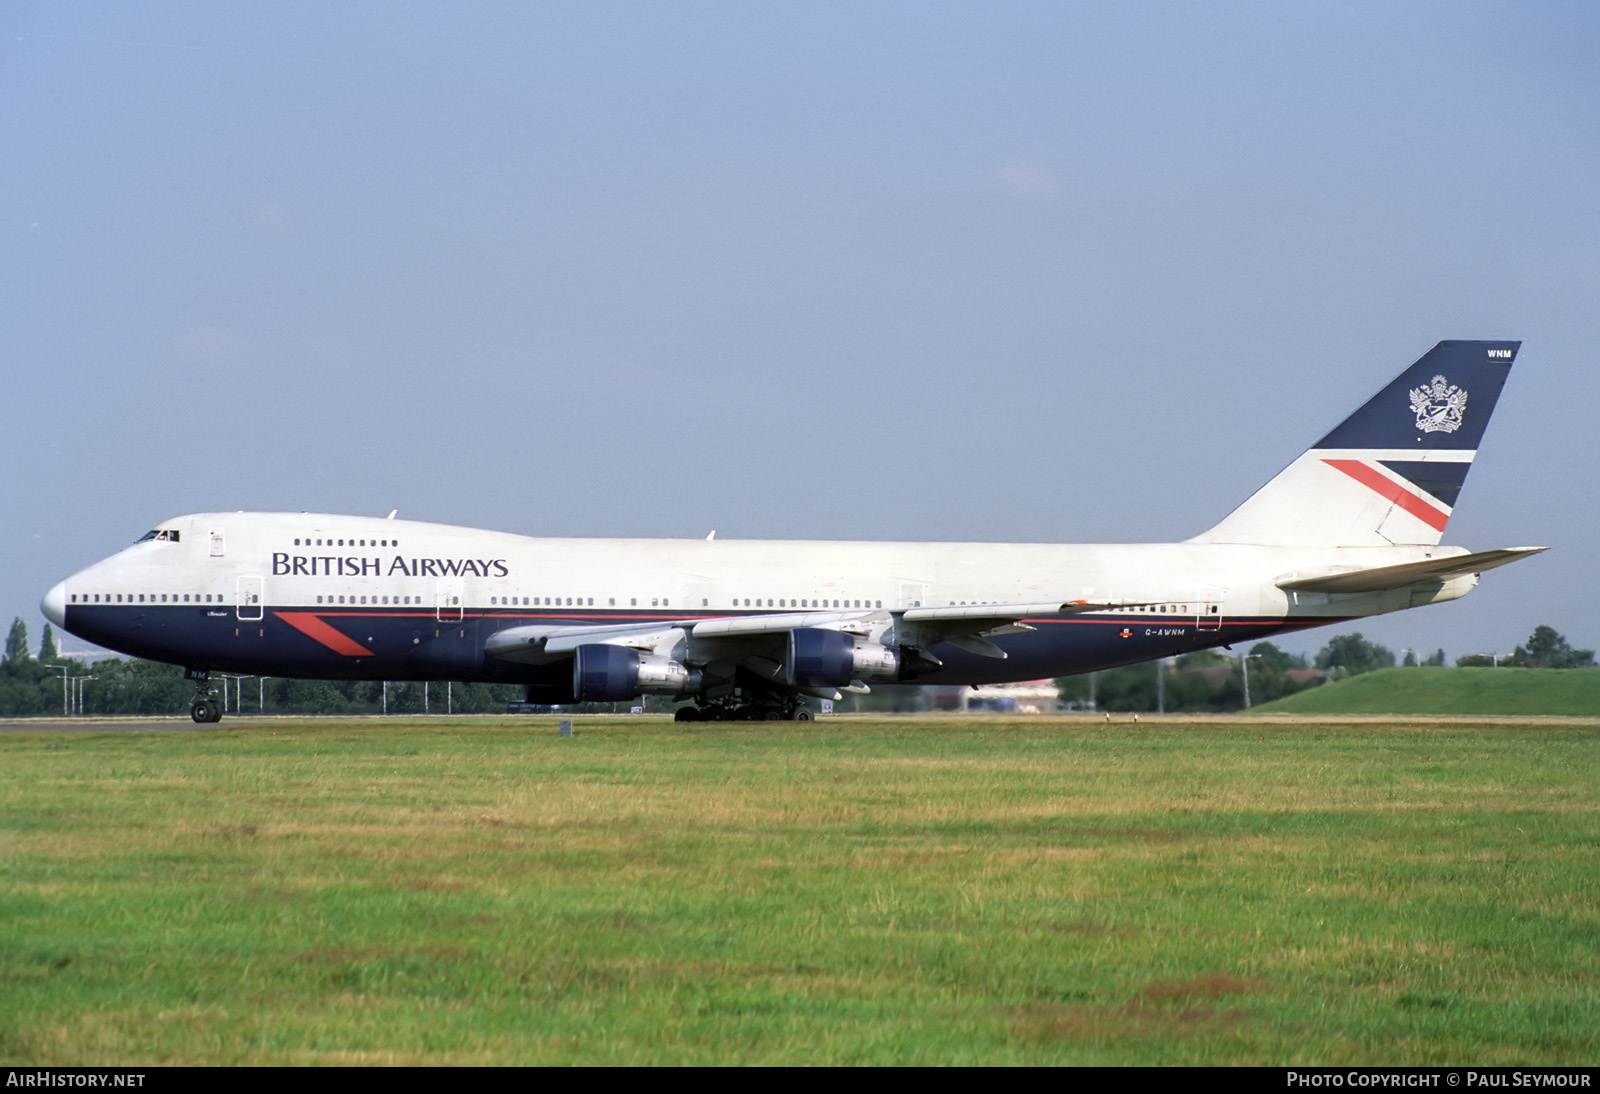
column 819, row 658
column 603, row 673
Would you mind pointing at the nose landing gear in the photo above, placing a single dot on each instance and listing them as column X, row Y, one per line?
column 204, row 708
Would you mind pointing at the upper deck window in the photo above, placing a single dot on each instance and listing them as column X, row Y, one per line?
column 169, row 534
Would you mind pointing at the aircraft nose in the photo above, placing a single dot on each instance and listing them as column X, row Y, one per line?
column 54, row 604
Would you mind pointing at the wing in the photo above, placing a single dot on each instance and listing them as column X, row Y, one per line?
column 919, row 627
column 816, row 652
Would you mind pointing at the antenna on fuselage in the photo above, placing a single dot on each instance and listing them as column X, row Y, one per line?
column 392, row 512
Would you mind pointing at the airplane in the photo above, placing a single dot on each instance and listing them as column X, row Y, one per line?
column 752, row 629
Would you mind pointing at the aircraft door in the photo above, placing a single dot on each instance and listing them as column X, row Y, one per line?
column 249, row 596
column 913, row 594
column 447, row 602
column 1208, row 609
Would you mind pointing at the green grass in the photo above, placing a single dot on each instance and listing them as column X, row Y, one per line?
column 1018, row 891
column 1502, row 691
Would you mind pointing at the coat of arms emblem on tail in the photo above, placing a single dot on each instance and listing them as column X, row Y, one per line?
column 1438, row 406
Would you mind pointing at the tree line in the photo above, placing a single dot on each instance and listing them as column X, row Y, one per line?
column 1207, row 680
column 1212, row 680
column 51, row 684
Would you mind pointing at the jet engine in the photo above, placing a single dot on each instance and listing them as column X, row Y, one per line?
column 819, row 658
column 603, row 673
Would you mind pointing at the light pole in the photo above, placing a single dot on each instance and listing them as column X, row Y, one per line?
column 1244, row 670
column 78, row 683
column 65, row 672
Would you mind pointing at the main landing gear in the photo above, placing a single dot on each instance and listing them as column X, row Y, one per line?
column 204, row 708
column 763, row 708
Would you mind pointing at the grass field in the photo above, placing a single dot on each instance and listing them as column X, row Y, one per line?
column 1010, row 891
column 1571, row 692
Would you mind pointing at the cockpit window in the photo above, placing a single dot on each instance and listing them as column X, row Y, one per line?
column 170, row 534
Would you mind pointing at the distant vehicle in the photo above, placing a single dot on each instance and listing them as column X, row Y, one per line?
column 750, row 629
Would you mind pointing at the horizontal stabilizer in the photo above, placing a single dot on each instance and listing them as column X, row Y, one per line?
column 1378, row 578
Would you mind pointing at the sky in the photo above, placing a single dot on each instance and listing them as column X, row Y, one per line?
column 992, row 271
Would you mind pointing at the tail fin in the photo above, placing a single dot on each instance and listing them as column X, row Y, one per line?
column 1390, row 473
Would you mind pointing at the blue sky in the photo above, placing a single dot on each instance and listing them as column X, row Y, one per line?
column 993, row 271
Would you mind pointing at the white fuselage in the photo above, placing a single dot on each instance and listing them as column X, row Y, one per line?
column 362, row 573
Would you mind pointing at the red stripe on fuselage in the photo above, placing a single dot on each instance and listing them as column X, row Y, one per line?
column 1433, row 517
column 312, row 626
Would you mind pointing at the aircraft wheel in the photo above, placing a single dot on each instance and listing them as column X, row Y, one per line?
column 772, row 714
column 204, row 710
column 687, row 714
column 801, row 714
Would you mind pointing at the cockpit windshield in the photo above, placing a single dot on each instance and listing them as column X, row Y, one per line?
column 169, row 534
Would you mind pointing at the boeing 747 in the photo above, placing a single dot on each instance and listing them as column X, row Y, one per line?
column 751, row 629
